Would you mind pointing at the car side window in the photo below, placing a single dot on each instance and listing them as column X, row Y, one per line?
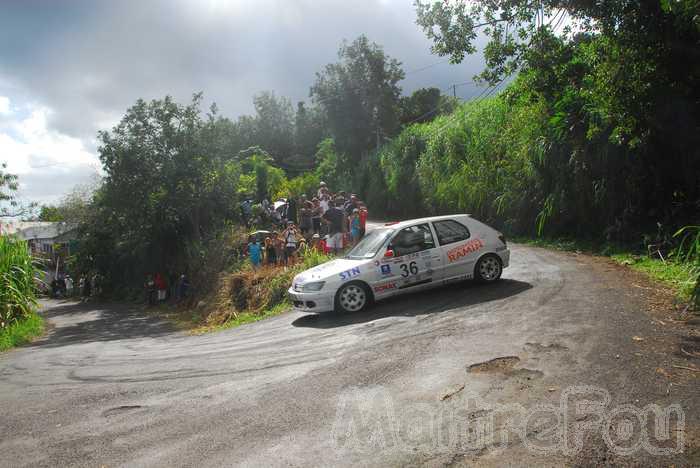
column 412, row 239
column 450, row 231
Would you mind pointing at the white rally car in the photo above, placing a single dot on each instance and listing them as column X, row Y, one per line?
column 402, row 257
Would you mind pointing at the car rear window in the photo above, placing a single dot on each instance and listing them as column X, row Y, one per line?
column 450, row 231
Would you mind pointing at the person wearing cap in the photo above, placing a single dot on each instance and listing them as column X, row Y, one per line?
column 335, row 219
column 322, row 189
column 316, row 215
column 290, row 242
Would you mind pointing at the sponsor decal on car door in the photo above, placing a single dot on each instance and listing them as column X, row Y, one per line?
column 416, row 260
column 460, row 250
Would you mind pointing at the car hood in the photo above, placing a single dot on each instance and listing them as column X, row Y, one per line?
column 328, row 270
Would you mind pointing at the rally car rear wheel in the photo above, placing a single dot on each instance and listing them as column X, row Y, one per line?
column 352, row 297
column 488, row 268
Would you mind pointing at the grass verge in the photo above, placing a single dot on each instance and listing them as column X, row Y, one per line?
column 241, row 319
column 680, row 277
column 241, row 296
column 21, row 332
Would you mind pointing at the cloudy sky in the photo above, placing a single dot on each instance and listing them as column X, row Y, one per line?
column 70, row 68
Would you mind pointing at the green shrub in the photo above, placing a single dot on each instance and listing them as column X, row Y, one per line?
column 17, row 288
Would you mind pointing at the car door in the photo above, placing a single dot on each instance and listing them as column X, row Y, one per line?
column 415, row 260
column 459, row 248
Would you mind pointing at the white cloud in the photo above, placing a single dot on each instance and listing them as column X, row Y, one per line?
column 47, row 162
column 5, row 105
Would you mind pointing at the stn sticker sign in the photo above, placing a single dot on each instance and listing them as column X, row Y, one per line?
column 347, row 274
column 464, row 249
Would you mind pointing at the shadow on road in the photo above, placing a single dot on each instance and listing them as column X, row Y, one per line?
column 74, row 323
column 433, row 301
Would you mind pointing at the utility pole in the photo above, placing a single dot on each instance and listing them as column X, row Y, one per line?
column 454, row 90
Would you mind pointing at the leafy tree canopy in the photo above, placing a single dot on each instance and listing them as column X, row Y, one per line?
column 360, row 96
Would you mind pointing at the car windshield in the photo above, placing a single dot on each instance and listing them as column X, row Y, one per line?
column 370, row 244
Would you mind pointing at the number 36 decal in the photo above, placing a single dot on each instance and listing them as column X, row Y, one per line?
column 408, row 269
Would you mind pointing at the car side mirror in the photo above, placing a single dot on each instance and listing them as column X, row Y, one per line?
column 389, row 253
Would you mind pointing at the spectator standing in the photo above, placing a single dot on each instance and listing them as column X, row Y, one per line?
column 150, row 286
column 335, row 219
column 322, row 190
column 292, row 210
column 270, row 252
column 87, row 287
column 290, row 242
column 254, row 252
column 278, row 243
column 316, row 215
column 355, row 226
column 161, row 287
column 363, row 219
column 69, row 286
column 305, row 215
column 183, row 287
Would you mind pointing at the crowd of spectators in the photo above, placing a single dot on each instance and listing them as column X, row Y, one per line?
column 327, row 222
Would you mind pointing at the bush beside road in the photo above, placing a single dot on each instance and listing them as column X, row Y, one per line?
column 19, row 321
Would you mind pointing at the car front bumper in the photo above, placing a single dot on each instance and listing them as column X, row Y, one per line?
column 505, row 257
column 321, row 301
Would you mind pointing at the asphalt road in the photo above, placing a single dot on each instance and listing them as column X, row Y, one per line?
column 410, row 381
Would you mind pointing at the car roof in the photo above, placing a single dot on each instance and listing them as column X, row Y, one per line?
column 411, row 222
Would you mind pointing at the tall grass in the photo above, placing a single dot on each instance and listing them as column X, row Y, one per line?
column 689, row 251
column 17, row 289
column 253, row 294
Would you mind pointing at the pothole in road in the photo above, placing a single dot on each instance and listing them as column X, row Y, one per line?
column 120, row 409
column 539, row 347
column 499, row 364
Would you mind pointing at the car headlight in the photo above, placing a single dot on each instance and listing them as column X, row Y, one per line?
column 311, row 287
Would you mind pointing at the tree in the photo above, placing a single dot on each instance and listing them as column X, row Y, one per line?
column 360, row 97
column 50, row 213
column 166, row 187
column 9, row 205
column 619, row 86
column 309, row 131
column 73, row 207
column 8, row 187
column 424, row 105
column 274, row 125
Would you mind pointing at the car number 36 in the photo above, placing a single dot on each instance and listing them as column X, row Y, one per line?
column 408, row 269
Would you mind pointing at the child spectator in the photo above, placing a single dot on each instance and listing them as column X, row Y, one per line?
column 355, row 226
column 301, row 250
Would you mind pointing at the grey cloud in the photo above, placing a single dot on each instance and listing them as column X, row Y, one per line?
column 90, row 60
column 50, row 184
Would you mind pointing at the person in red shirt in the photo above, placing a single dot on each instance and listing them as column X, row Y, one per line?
column 161, row 287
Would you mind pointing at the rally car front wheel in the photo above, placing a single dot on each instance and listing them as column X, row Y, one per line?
column 488, row 268
column 352, row 297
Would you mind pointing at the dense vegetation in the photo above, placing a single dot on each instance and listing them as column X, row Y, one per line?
column 594, row 136
column 18, row 319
